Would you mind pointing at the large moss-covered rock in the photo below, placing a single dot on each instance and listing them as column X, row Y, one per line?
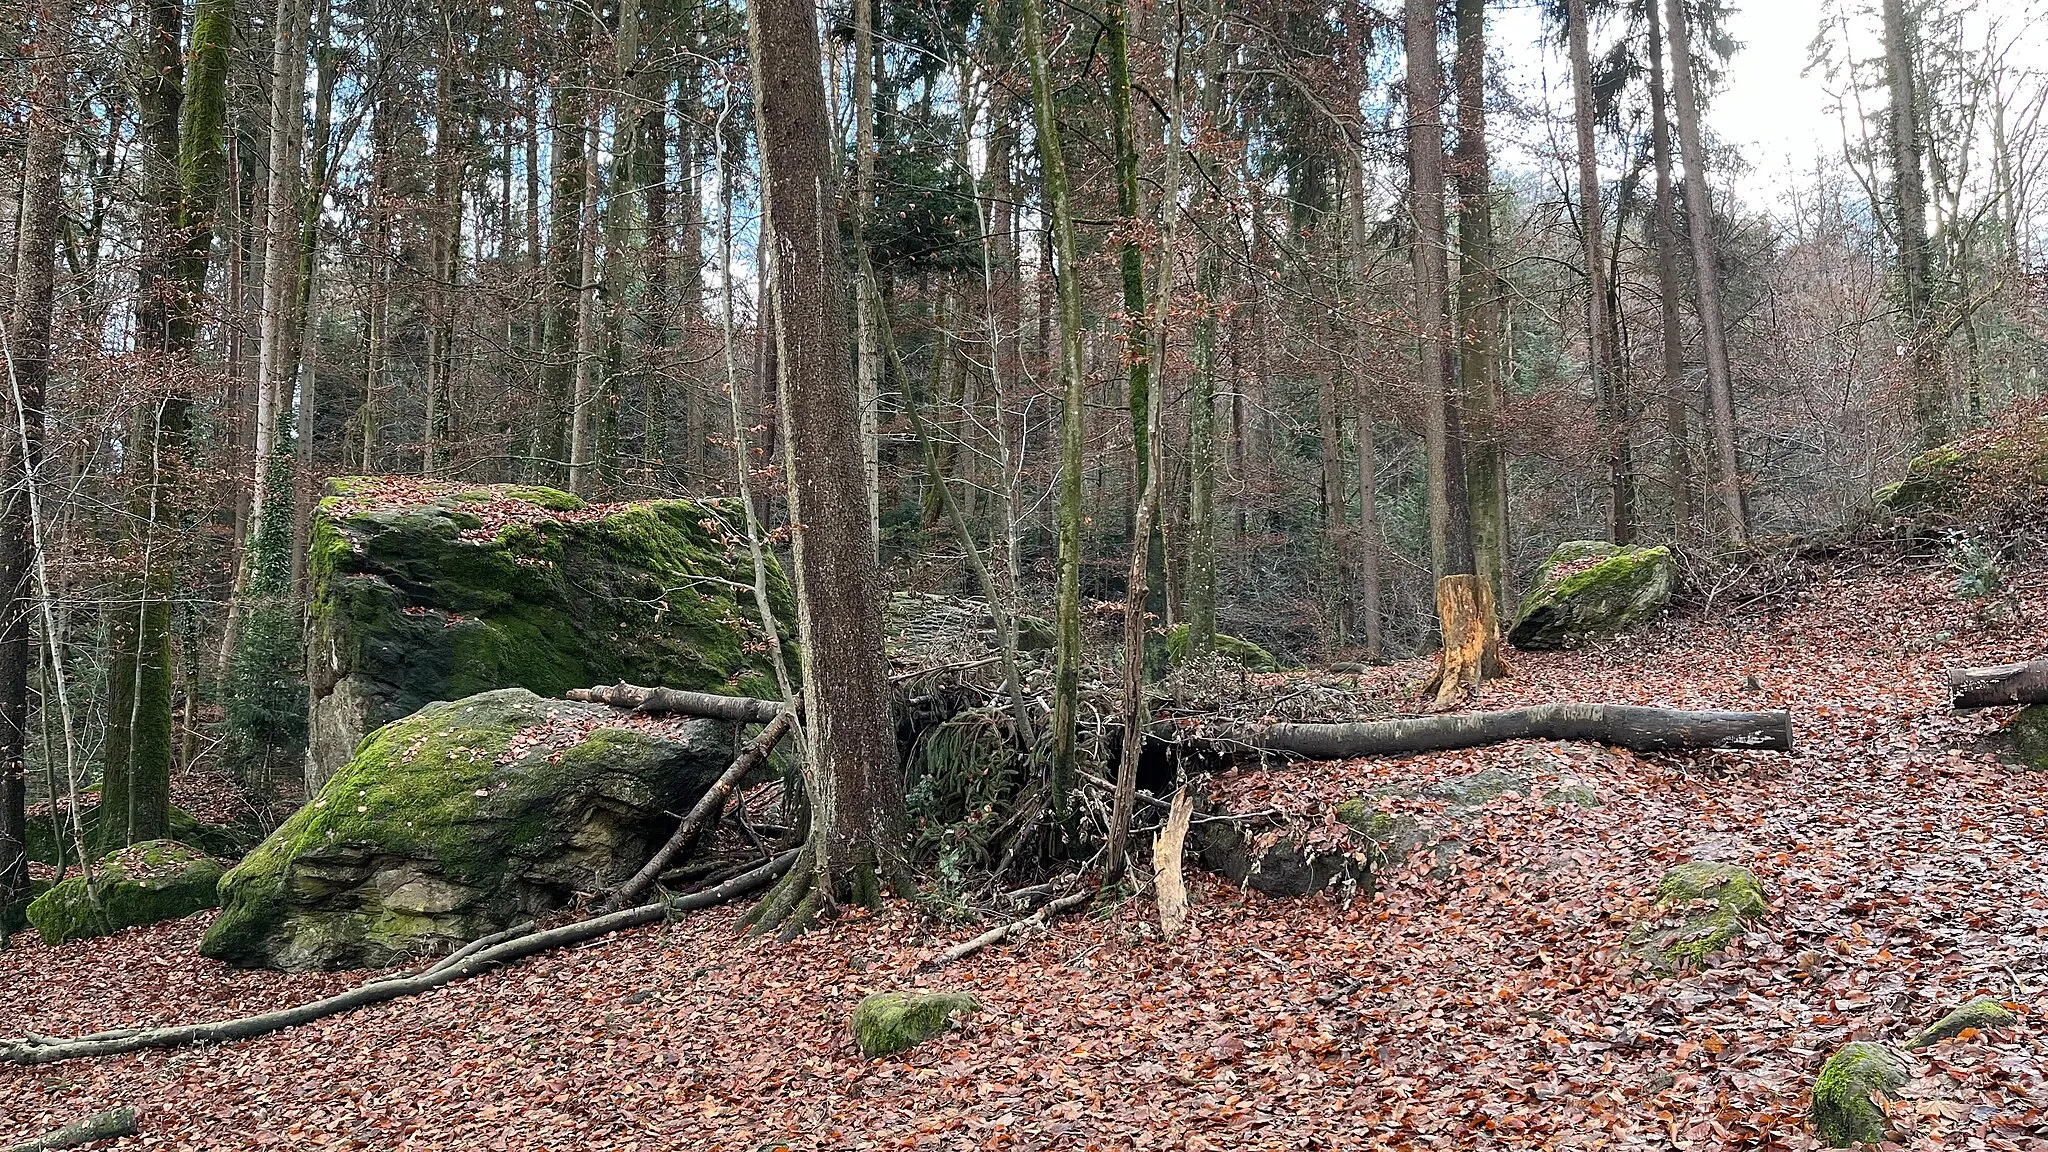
column 1845, row 1110
column 458, row 821
column 889, row 1022
column 2026, row 738
column 1227, row 647
column 1702, row 907
column 1589, row 589
column 1988, row 479
column 148, row 883
column 425, row 591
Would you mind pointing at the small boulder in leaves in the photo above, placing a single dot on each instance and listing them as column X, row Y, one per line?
column 148, row 883
column 1588, row 589
column 1845, row 1108
column 1980, row 1014
column 1703, row 907
column 889, row 1022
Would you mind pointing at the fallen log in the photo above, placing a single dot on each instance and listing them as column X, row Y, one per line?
column 706, row 811
column 47, row 1050
column 1623, row 725
column 110, row 1125
column 1037, row 919
column 2022, row 683
column 710, row 705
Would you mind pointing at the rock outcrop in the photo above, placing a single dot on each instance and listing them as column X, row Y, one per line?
column 459, row 821
column 1589, row 589
column 888, row 1022
column 148, row 883
column 425, row 590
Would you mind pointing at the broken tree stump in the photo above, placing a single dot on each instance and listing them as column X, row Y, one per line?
column 2022, row 683
column 1635, row 727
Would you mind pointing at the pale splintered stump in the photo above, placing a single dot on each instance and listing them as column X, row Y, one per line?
column 2022, row 683
column 1471, row 628
column 1639, row 728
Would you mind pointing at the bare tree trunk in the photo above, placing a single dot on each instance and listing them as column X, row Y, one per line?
column 1931, row 406
column 1478, row 318
column 584, row 390
column 1699, row 212
column 866, row 357
column 1600, row 351
column 856, row 795
column 1677, row 457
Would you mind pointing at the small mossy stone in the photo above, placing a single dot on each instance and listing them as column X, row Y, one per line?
column 1477, row 788
column 1589, row 589
column 1228, row 647
column 888, row 1022
column 1845, row 1111
column 1979, row 1014
column 148, row 883
column 1712, row 904
column 2026, row 737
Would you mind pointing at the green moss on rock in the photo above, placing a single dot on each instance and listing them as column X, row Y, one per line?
column 1589, row 589
column 457, row 821
column 888, row 1022
column 151, row 882
column 1982, row 1013
column 423, row 592
column 1845, row 1112
column 1229, row 647
column 1704, row 907
column 2026, row 738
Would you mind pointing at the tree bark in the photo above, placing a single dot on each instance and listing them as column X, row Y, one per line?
column 2023, row 683
column 855, row 792
column 709, row 705
column 1600, row 351
column 1677, row 456
column 1623, row 725
column 1931, row 405
column 1478, row 316
column 1699, row 212
column 109, row 1125
column 29, row 323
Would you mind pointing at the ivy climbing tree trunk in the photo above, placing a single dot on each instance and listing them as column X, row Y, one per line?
column 855, row 842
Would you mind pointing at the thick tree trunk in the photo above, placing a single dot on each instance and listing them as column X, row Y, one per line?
column 1699, row 213
column 1931, row 401
column 2024, row 683
column 1478, row 317
column 28, row 323
column 1471, row 628
column 855, row 790
column 1623, row 725
column 1450, row 530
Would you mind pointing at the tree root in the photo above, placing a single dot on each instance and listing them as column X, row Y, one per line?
column 515, row 945
column 105, row 1126
column 792, row 906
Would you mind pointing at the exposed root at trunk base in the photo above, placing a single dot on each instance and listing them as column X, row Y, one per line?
column 1471, row 628
column 793, row 905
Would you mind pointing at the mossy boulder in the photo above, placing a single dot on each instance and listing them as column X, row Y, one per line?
column 424, row 591
column 1992, row 481
column 148, row 883
column 1979, row 1014
column 888, row 1022
column 1845, row 1111
column 226, row 841
column 1589, row 589
column 2025, row 738
column 1244, row 652
column 1703, row 907
column 459, row 821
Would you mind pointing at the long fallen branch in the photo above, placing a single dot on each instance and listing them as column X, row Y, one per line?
column 110, row 1125
column 710, row 705
column 1623, row 725
column 46, row 1050
column 706, row 811
column 2022, row 683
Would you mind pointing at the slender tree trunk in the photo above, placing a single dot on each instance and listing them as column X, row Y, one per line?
column 569, row 116
column 1367, row 547
column 1931, row 404
column 29, row 324
column 1073, row 411
column 866, row 358
column 1677, row 457
column 583, row 394
column 1478, row 318
column 1699, row 212
column 855, row 792
column 1131, row 255
column 1600, row 358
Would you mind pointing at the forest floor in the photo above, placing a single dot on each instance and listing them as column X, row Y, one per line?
column 1494, row 1007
